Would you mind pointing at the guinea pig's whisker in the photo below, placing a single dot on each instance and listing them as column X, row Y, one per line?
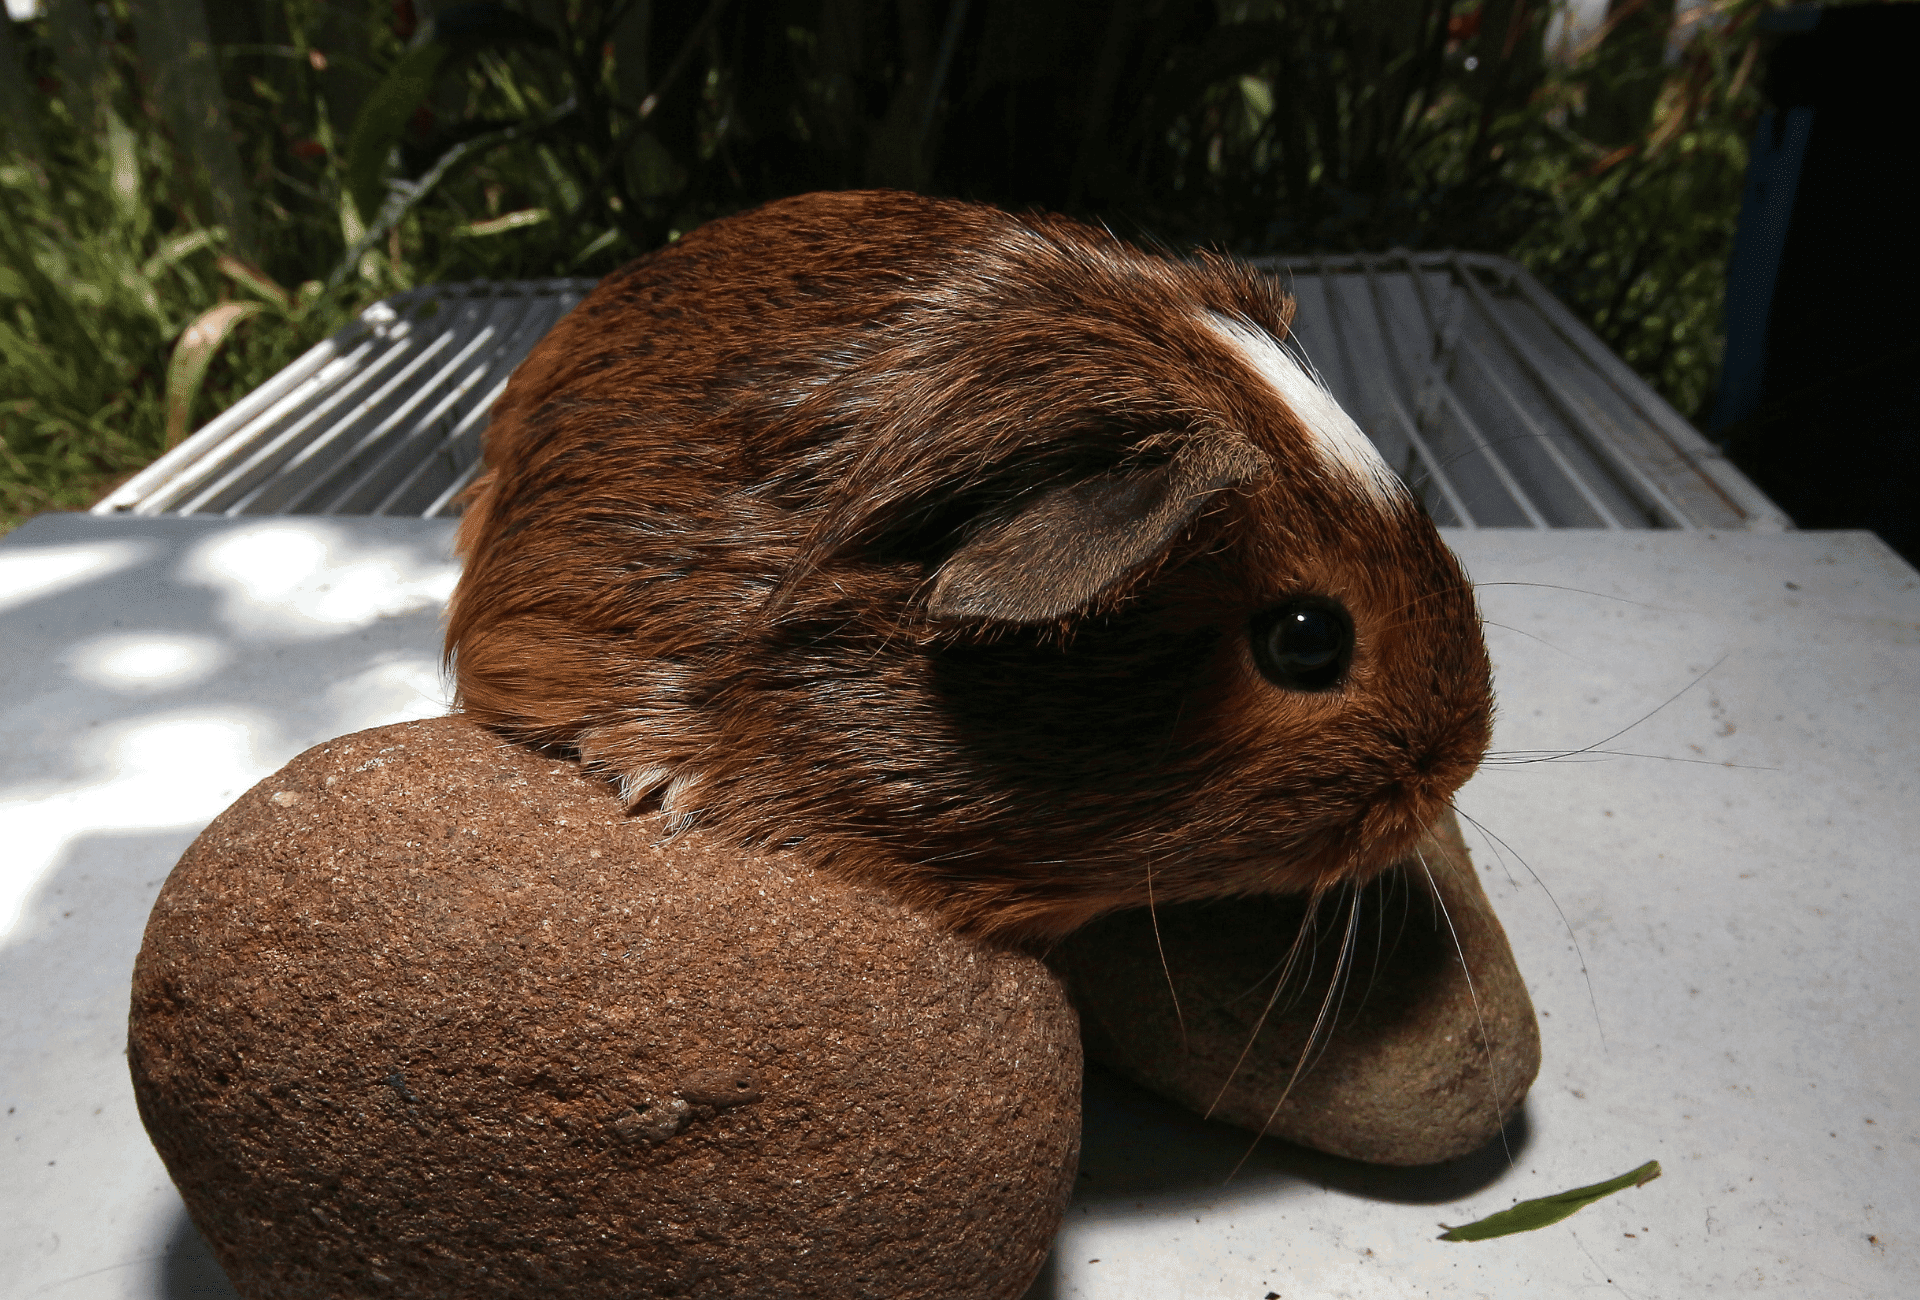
column 1473, row 996
column 1283, row 969
column 1306, row 942
column 1578, row 953
column 1600, row 755
column 1522, row 757
column 1594, row 752
column 1594, row 748
column 1304, row 937
column 1415, row 623
column 1322, row 1023
column 1508, row 627
column 1554, row 586
column 1318, row 1042
column 1388, row 881
column 1420, row 599
column 1582, row 591
column 1153, row 915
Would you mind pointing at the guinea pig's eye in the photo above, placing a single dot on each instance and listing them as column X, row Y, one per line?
column 1304, row 644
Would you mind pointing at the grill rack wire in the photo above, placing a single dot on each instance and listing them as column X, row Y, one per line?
column 1485, row 393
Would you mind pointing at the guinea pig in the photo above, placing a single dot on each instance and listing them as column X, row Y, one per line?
column 983, row 556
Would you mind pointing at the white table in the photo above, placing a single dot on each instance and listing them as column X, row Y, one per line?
column 1745, row 903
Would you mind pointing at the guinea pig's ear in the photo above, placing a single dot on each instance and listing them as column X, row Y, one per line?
column 1057, row 552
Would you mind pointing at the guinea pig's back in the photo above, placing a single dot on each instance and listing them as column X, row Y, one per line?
column 627, row 490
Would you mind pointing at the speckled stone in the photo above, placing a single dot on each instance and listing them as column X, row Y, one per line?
column 425, row 1014
column 1421, row 1058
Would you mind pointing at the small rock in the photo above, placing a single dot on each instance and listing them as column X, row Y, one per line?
column 649, row 1122
column 721, row 1088
column 459, row 1027
column 1415, row 1063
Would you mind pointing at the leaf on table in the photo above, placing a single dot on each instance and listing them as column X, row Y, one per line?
column 1541, row 1211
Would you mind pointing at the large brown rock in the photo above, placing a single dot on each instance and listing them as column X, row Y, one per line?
column 1425, row 1045
column 426, row 1015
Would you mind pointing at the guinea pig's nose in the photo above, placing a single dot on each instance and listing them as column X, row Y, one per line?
column 1432, row 773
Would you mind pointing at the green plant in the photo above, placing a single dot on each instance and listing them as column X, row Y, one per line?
column 567, row 136
column 95, row 287
column 1635, row 236
column 126, row 315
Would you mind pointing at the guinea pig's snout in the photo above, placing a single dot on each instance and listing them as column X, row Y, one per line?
column 1425, row 770
column 1443, row 762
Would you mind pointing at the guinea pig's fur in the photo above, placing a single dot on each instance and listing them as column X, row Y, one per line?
column 931, row 543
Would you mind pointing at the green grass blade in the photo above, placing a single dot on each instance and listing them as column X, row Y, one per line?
column 501, row 224
column 191, row 357
column 1538, row 1213
column 384, row 116
column 180, row 247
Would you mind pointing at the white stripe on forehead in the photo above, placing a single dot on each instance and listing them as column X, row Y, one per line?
column 1337, row 440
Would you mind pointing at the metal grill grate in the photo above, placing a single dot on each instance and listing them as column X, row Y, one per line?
column 1499, row 407
column 384, row 418
column 1486, row 394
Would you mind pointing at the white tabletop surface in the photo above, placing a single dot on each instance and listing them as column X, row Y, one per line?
column 1720, row 935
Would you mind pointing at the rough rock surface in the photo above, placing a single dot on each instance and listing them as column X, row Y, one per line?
column 1415, row 1063
column 424, row 1014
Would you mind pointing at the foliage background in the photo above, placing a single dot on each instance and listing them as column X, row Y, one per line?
column 178, row 213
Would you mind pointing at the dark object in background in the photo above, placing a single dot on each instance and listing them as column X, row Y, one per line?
column 1819, row 396
column 1629, row 72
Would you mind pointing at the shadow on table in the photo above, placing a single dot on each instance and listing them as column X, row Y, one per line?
column 1142, row 1152
column 1047, row 1285
column 188, row 1271
column 1137, row 1146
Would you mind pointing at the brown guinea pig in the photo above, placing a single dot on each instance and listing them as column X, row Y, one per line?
column 984, row 556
